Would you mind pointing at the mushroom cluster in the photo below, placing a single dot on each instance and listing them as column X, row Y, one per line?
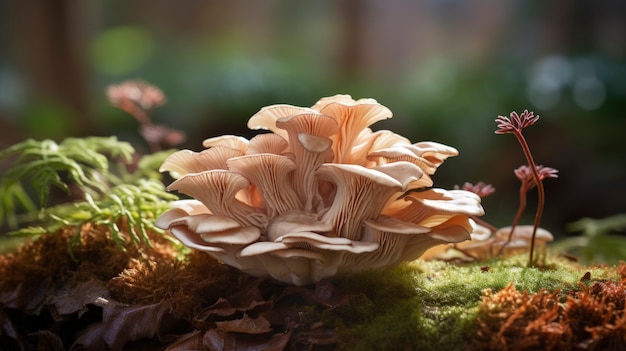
column 321, row 194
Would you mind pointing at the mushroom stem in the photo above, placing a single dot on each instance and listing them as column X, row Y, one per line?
column 309, row 134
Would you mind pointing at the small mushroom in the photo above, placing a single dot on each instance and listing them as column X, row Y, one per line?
column 525, row 233
column 512, row 247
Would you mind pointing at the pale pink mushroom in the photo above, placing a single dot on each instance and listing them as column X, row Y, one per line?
column 320, row 195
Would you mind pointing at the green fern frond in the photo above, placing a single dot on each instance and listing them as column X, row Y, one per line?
column 43, row 165
column 134, row 205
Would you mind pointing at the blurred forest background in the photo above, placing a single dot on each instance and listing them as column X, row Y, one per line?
column 446, row 68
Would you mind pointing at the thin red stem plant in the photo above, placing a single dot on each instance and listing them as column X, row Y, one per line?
column 515, row 124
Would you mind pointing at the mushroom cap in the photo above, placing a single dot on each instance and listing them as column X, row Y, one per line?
column 310, row 242
column 435, row 206
column 433, row 151
column 408, row 174
column 268, row 143
column 184, row 162
column 454, row 230
column 207, row 232
column 231, row 141
column 397, row 226
column 340, row 172
column 266, row 117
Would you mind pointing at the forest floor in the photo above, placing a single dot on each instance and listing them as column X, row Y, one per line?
column 64, row 291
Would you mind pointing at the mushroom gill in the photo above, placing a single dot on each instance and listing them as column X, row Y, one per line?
column 270, row 174
column 217, row 190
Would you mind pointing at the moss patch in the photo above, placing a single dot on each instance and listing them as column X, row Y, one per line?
column 434, row 305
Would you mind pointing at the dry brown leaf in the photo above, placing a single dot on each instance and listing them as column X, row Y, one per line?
column 76, row 299
column 216, row 340
column 122, row 324
column 245, row 325
column 188, row 342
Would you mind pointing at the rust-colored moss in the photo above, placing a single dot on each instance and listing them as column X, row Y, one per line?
column 182, row 285
column 47, row 259
column 593, row 318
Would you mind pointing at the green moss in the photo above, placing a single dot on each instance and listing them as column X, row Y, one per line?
column 434, row 305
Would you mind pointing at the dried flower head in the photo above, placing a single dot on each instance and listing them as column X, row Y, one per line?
column 136, row 98
column 140, row 93
column 321, row 195
column 481, row 189
column 525, row 174
column 516, row 122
